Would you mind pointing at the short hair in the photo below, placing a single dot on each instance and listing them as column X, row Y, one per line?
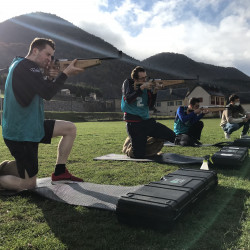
column 40, row 44
column 194, row 100
column 135, row 71
column 233, row 97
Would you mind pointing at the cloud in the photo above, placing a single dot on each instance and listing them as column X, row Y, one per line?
column 215, row 31
column 169, row 26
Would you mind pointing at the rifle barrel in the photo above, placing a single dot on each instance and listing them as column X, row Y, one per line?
column 214, row 108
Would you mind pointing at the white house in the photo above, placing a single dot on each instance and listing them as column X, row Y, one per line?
column 169, row 100
column 208, row 96
column 65, row 92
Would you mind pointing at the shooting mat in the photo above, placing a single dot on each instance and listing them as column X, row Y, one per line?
column 219, row 144
column 83, row 194
column 171, row 144
column 162, row 158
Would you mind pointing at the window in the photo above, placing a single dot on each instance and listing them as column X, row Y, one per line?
column 222, row 101
column 171, row 103
column 217, row 100
column 178, row 103
column 213, row 100
column 200, row 99
column 158, row 104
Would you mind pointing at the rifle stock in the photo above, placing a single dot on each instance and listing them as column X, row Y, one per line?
column 62, row 64
column 165, row 83
column 161, row 83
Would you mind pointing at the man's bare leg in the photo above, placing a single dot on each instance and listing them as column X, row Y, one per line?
column 68, row 132
column 11, row 182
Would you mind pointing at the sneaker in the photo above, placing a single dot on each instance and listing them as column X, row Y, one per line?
column 197, row 143
column 227, row 136
column 65, row 178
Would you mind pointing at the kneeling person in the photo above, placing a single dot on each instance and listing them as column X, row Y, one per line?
column 135, row 104
column 24, row 126
column 187, row 124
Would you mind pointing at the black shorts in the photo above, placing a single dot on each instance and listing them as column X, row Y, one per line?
column 26, row 152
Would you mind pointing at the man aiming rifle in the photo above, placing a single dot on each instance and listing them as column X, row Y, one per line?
column 188, row 125
column 24, row 126
column 137, row 98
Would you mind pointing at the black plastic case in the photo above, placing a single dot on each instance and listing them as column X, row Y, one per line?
column 159, row 204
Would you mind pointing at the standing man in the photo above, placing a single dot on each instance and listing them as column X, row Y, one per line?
column 137, row 98
column 187, row 124
column 24, row 126
column 234, row 117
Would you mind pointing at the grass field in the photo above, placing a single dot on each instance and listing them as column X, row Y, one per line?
column 220, row 221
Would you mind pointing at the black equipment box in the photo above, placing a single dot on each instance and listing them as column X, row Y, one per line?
column 242, row 142
column 159, row 204
column 231, row 156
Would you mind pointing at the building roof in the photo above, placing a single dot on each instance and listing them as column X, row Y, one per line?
column 171, row 94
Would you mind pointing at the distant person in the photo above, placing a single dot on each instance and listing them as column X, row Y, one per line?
column 137, row 99
column 24, row 126
column 234, row 117
column 188, row 125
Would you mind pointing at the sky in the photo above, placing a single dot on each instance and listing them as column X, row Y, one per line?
column 209, row 31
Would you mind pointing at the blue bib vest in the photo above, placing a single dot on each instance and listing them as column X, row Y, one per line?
column 181, row 127
column 21, row 123
column 138, row 107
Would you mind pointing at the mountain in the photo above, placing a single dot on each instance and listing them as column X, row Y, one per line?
column 228, row 79
column 73, row 42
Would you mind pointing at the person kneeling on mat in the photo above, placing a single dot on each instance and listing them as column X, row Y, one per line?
column 234, row 117
column 187, row 124
column 137, row 98
column 23, row 124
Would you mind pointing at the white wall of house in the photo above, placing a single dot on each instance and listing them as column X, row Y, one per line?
column 199, row 92
column 246, row 107
column 168, row 107
column 65, row 91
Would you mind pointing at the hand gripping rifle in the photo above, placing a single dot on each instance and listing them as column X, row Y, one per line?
column 82, row 63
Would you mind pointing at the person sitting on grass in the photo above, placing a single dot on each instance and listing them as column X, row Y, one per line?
column 234, row 117
column 187, row 124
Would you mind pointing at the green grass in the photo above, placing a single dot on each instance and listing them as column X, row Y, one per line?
column 220, row 221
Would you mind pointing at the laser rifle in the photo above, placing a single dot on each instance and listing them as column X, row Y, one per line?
column 213, row 108
column 159, row 83
column 82, row 63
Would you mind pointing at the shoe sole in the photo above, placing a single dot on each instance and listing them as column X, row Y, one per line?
column 64, row 182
